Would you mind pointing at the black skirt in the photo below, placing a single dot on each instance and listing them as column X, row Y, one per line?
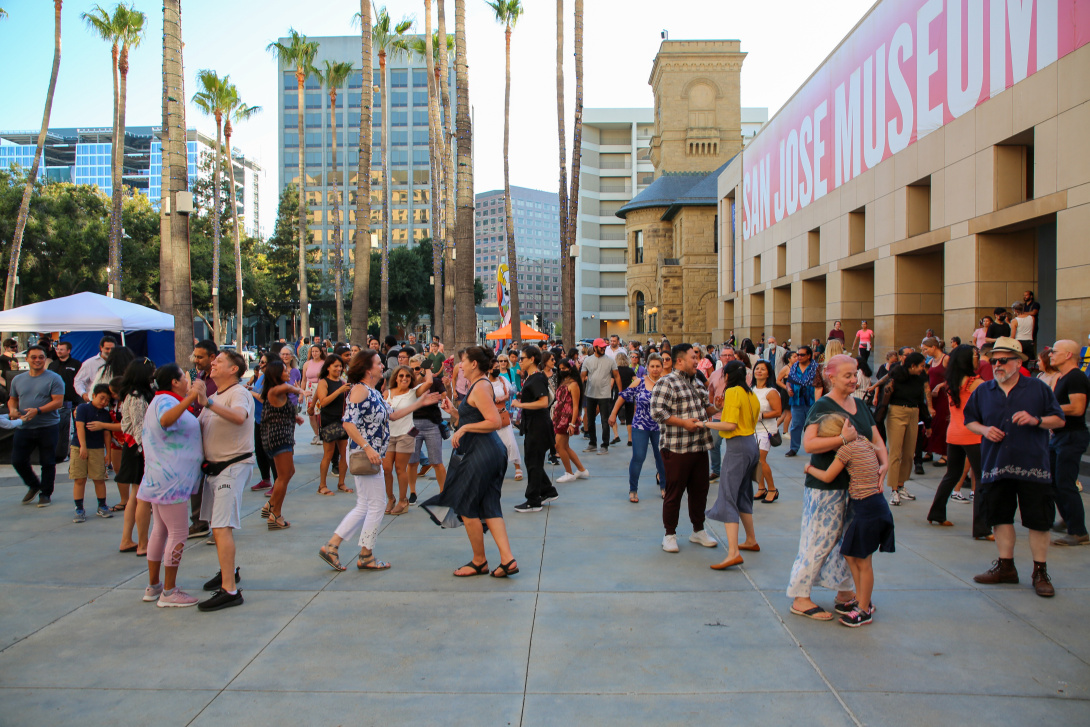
column 869, row 528
column 131, row 471
column 474, row 481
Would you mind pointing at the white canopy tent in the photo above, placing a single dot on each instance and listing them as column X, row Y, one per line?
column 84, row 312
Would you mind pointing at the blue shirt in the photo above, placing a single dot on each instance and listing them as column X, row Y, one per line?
column 641, row 397
column 1023, row 453
column 87, row 413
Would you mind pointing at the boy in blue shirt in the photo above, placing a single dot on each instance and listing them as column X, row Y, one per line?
column 89, row 451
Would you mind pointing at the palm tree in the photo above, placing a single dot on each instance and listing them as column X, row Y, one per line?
column 176, row 287
column 333, row 77
column 361, row 241
column 577, row 140
column 430, row 52
column 449, row 317
column 390, row 40
column 507, row 14
column 3, row 13
column 566, row 263
column 238, row 111
column 213, row 100
column 466, row 322
column 300, row 52
column 32, row 176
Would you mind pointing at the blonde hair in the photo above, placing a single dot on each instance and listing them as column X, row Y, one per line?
column 833, row 348
column 417, row 359
column 831, row 425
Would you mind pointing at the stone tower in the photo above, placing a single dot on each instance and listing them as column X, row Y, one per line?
column 698, row 115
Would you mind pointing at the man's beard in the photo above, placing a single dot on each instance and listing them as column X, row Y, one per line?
column 1002, row 376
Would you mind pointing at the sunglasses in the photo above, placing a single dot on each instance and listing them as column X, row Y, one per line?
column 1002, row 361
column 416, row 368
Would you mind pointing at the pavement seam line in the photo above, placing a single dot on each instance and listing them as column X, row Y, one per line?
column 533, row 618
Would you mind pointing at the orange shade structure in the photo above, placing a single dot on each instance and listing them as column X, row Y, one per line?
column 528, row 334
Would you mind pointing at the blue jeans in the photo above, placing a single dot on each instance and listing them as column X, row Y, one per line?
column 25, row 441
column 1065, row 452
column 716, row 453
column 798, row 424
column 640, row 438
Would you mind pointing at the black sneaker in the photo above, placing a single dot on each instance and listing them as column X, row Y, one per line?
column 553, row 497
column 32, row 492
column 336, row 468
column 556, row 460
column 615, row 440
column 918, row 468
column 198, row 531
column 44, row 501
column 221, row 599
column 412, row 498
column 527, row 507
column 790, row 453
column 630, row 444
column 216, row 582
column 856, row 618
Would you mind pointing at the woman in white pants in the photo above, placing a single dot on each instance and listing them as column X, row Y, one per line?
column 503, row 391
column 367, row 419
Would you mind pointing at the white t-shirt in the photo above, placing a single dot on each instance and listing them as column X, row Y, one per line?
column 222, row 439
column 599, row 376
column 501, row 388
column 404, row 425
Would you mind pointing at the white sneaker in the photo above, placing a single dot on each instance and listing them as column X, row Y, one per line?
column 566, row 477
column 152, row 593
column 702, row 538
column 669, row 544
column 176, row 599
column 906, row 495
column 316, row 440
column 896, row 499
column 582, row 474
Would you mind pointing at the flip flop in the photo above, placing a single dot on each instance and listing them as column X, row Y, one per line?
column 130, row 549
column 327, row 491
column 118, row 508
column 342, row 488
column 817, row 613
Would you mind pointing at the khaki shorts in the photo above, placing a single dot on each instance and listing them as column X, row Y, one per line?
column 92, row 468
column 403, row 444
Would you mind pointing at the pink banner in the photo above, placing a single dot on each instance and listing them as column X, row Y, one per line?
column 910, row 67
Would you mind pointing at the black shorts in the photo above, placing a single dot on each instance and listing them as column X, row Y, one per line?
column 626, row 413
column 131, row 471
column 1032, row 499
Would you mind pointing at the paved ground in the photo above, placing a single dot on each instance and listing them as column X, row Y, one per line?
column 601, row 626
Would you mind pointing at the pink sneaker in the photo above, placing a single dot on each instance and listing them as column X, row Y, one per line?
column 263, row 485
column 152, row 593
column 176, row 599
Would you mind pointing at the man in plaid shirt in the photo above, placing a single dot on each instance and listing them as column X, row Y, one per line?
column 679, row 404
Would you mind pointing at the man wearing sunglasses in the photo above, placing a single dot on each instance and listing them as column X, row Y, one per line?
column 1013, row 414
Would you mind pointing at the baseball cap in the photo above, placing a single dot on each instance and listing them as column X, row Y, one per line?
column 600, row 342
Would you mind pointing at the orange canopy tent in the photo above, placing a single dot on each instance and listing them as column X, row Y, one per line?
column 528, row 334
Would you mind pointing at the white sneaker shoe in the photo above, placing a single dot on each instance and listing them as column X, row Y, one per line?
column 152, row 593
column 582, row 474
column 316, row 440
column 669, row 544
column 702, row 538
column 176, row 599
column 566, row 477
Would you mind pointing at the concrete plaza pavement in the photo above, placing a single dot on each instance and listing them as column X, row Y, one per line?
column 600, row 627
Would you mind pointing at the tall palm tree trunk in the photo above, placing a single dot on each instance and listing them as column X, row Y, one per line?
column 434, row 146
column 338, row 251
column 509, row 207
column 576, row 158
column 32, row 178
column 238, row 237
column 220, row 333
column 567, row 288
column 117, row 147
column 384, row 270
column 118, row 191
column 175, row 158
column 466, row 322
column 166, row 268
column 449, row 314
column 361, row 272
column 304, row 312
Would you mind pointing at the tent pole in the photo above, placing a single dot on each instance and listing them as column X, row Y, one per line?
column 122, row 338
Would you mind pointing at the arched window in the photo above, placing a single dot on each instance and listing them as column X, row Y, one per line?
column 639, row 313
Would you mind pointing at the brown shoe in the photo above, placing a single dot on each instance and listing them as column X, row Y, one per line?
column 1002, row 571
column 1041, row 582
column 728, row 563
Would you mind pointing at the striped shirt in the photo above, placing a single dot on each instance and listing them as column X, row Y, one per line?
column 859, row 459
column 682, row 396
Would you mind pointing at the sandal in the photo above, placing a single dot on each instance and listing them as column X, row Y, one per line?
column 323, row 490
column 342, row 488
column 633, row 497
column 389, row 506
column 478, row 570
column 277, row 522
column 817, row 613
column 266, row 511
column 506, row 568
column 401, row 509
column 760, row 494
column 329, row 554
column 775, row 496
column 369, row 563
column 518, row 476
column 119, row 507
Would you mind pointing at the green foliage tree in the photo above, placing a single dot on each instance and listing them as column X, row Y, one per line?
column 280, row 251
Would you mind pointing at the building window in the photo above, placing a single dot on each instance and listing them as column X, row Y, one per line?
column 640, row 312
column 638, row 254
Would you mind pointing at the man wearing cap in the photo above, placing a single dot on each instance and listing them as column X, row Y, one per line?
column 1069, row 443
column 1013, row 414
column 600, row 373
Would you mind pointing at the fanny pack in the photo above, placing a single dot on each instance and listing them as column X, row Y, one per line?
column 211, row 469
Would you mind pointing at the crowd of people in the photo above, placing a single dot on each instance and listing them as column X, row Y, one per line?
column 183, row 446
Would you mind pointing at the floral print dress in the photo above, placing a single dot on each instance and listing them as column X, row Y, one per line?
column 372, row 418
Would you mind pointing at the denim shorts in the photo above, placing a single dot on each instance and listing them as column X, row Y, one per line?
column 428, row 434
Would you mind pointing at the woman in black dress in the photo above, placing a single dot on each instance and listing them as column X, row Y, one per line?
column 329, row 403
column 471, row 496
column 537, row 426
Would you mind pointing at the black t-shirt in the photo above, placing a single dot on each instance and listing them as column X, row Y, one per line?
column 998, row 330
column 627, row 374
column 908, row 389
column 533, row 388
column 67, row 370
column 1030, row 308
column 8, row 363
column 1073, row 382
column 432, row 413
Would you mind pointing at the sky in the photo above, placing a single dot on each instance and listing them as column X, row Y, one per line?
column 785, row 40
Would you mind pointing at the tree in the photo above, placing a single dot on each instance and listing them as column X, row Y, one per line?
column 176, row 284
column 566, row 287
column 333, row 77
column 24, row 205
column 390, row 40
column 466, row 322
column 281, row 250
column 361, row 241
column 448, row 186
column 300, row 53
column 576, row 158
column 508, row 13
column 237, row 111
column 3, row 13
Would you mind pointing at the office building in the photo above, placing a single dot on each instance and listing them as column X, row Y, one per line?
column 537, row 245
column 409, row 160
column 83, row 156
column 921, row 204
